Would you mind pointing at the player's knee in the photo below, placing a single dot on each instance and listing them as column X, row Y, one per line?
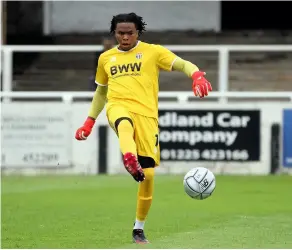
column 123, row 123
column 149, row 174
column 146, row 162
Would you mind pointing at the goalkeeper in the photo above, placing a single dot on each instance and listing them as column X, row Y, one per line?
column 127, row 79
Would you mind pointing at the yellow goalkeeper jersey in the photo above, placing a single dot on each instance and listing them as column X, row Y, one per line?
column 132, row 76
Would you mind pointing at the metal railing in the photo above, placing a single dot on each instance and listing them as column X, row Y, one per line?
column 223, row 83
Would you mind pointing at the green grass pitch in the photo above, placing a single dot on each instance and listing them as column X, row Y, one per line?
column 99, row 211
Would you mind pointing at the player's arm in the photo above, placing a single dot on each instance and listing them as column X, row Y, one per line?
column 97, row 104
column 167, row 60
column 184, row 66
column 201, row 86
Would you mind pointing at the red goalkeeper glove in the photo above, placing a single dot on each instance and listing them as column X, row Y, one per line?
column 201, row 86
column 83, row 132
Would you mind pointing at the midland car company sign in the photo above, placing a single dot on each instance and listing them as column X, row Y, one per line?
column 209, row 135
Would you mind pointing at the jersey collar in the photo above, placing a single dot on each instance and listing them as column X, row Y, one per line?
column 128, row 50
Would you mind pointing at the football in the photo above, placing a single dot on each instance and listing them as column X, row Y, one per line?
column 199, row 183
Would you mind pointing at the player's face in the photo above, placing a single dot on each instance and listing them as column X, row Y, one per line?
column 126, row 35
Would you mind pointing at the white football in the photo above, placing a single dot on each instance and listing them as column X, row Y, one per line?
column 199, row 183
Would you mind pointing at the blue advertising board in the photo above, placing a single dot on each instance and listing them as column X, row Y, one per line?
column 287, row 138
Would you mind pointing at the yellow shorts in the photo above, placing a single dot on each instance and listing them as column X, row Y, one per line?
column 145, row 131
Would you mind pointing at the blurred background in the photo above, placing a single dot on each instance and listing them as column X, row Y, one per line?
column 50, row 51
column 181, row 23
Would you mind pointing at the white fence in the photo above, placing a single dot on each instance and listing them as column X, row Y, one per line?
column 223, row 82
column 81, row 157
column 181, row 96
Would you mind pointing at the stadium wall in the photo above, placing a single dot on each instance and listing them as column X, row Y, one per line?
column 81, row 17
column 38, row 138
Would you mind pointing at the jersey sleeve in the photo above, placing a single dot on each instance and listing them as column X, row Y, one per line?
column 166, row 58
column 101, row 77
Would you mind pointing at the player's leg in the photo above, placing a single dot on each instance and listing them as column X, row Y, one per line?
column 144, row 199
column 121, row 121
column 146, row 138
column 125, row 131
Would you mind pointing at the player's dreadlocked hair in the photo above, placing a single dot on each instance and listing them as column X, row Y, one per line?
column 128, row 18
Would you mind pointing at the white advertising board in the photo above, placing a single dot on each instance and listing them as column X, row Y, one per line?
column 230, row 138
column 36, row 135
column 38, row 138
